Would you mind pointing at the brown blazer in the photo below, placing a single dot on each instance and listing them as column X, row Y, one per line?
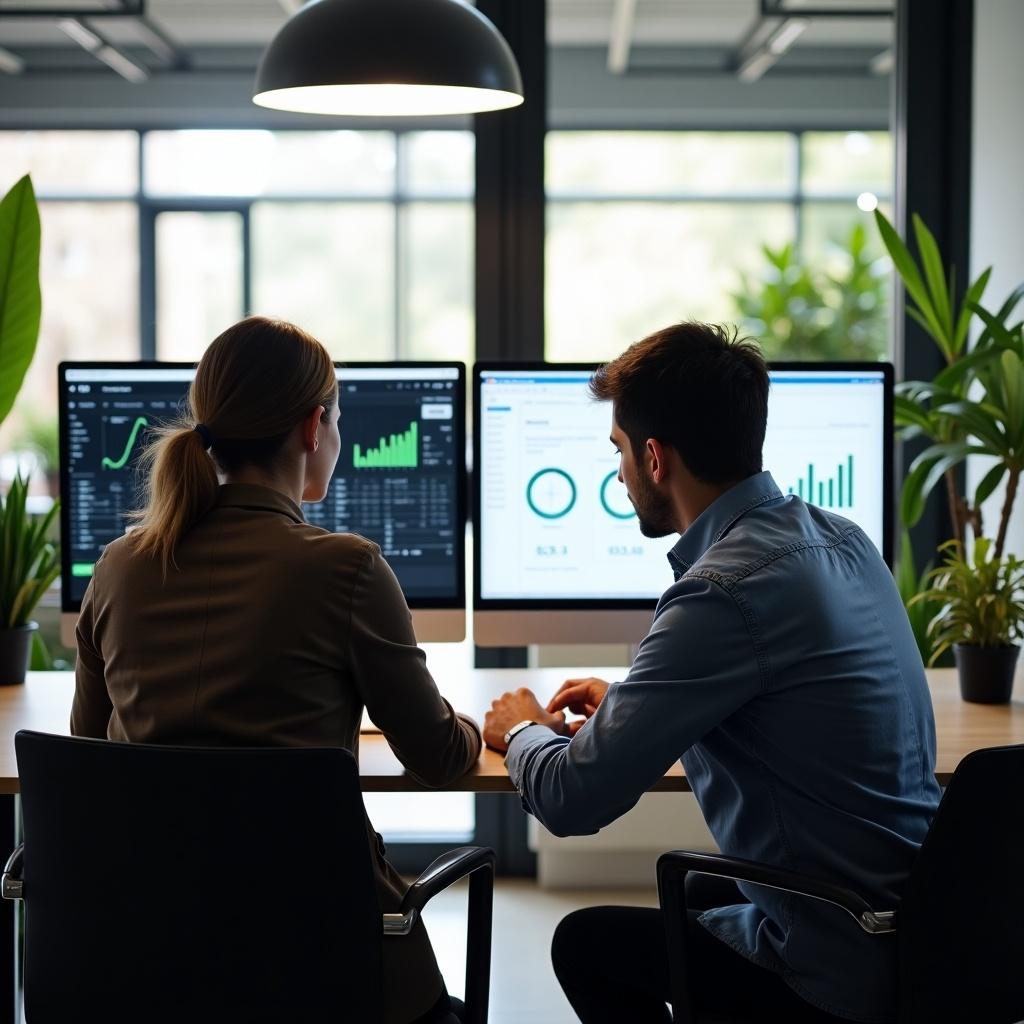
column 271, row 632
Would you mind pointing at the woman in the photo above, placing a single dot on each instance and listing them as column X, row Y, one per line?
column 224, row 619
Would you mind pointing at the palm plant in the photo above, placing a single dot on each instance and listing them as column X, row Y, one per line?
column 30, row 561
column 975, row 405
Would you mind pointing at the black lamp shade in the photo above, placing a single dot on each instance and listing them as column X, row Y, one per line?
column 388, row 57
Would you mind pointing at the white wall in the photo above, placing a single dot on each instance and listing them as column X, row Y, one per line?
column 997, row 182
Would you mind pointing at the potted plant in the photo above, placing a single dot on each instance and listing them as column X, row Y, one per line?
column 30, row 565
column 28, row 561
column 981, row 617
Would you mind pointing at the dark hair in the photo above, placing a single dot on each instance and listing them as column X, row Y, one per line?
column 255, row 382
column 698, row 388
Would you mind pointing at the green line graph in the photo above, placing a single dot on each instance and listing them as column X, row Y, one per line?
column 109, row 463
column 398, row 451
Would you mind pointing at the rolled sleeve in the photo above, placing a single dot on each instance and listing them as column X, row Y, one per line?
column 649, row 720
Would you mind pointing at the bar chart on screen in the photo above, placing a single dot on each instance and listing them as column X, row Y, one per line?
column 822, row 445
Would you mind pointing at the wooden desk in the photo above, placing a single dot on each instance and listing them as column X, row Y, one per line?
column 44, row 702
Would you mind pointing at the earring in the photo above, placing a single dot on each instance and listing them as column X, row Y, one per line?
column 316, row 445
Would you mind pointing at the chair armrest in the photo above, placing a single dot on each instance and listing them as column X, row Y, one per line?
column 443, row 872
column 11, row 885
column 478, row 863
column 875, row 922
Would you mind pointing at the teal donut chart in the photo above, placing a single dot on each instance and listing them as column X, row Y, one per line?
column 539, row 475
column 604, row 499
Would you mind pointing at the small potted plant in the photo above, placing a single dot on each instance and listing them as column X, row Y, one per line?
column 981, row 617
column 28, row 565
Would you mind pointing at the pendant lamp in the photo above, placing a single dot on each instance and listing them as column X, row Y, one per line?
column 388, row 58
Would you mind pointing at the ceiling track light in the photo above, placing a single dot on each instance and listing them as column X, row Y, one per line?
column 10, row 63
column 102, row 49
column 757, row 61
column 883, row 63
column 388, row 58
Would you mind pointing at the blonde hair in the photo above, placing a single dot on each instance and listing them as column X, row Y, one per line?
column 254, row 383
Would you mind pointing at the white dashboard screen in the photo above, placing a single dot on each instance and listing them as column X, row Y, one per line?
column 555, row 523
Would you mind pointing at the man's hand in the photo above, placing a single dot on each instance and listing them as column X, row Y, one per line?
column 511, row 709
column 581, row 697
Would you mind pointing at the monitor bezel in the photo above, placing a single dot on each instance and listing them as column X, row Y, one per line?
column 494, row 604
column 454, row 603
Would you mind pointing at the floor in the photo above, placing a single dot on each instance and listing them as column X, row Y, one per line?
column 523, row 986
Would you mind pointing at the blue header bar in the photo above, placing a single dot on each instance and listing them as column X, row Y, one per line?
column 787, row 377
column 583, row 377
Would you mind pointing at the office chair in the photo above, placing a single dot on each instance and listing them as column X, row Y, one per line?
column 960, row 923
column 196, row 884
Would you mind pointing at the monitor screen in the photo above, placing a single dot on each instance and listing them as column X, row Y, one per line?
column 556, row 528
column 400, row 478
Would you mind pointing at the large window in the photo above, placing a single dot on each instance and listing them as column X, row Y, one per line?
column 756, row 228
column 154, row 242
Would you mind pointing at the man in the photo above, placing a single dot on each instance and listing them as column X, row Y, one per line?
column 781, row 669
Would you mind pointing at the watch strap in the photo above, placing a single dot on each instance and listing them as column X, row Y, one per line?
column 517, row 729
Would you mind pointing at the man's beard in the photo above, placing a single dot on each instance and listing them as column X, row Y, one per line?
column 653, row 510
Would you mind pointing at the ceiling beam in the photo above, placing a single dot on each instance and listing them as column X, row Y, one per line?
column 621, row 37
column 122, row 9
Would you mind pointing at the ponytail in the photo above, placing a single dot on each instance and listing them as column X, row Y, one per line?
column 181, row 487
column 254, row 383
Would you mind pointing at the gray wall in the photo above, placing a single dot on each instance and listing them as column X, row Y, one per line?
column 582, row 95
column 997, row 192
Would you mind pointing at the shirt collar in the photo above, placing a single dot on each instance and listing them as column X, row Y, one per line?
column 257, row 498
column 714, row 522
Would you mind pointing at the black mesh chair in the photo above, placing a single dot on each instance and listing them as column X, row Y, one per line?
column 960, row 924
column 195, row 884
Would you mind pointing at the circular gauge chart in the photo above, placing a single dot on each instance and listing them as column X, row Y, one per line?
column 615, row 500
column 551, row 493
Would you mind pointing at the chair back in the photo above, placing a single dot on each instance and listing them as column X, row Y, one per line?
column 195, row 884
column 961, row 921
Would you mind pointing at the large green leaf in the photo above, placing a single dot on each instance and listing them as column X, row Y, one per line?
column 931, row 259
column 972, row 296
column 926, row 471
column 20, row 300
column 1013, row 389
column 956, row 375
column 907, row 412
column 989, row 483
column 976, row 419
column 912, row 280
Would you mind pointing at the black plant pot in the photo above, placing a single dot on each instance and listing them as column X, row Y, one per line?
column 986, row 673
column 15, row 652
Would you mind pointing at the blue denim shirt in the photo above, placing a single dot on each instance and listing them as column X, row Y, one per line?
column 781, row 669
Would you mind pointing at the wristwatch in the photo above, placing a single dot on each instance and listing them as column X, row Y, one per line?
column 516, row 730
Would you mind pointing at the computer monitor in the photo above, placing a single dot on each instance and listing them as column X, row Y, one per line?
column 559, row 557
column 400, row 479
